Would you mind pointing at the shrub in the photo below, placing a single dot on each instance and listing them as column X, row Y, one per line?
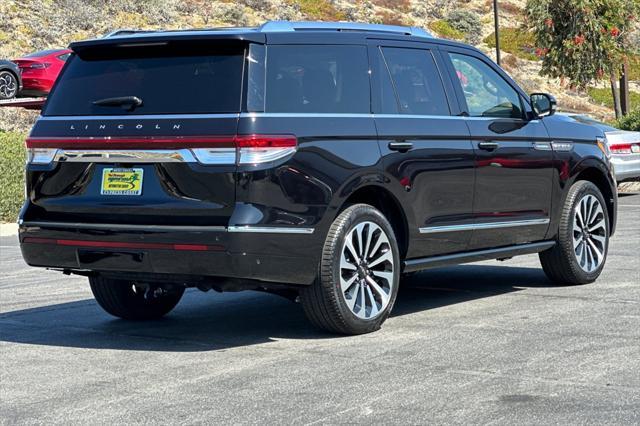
column 445, row 30
column 603, row 96
column 509, row 8
column 12, row 159
column 467, row 23
column 630, row 121
column 504, row 7
column 390, row 18
column 397, row 5
column 321, row 10
column 516, row 41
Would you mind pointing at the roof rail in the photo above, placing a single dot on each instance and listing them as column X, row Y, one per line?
column 288, row 26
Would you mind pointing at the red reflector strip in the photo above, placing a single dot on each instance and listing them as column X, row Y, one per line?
column 143, row 142
column 118, row 244
column 266, row 141
column 163, row 142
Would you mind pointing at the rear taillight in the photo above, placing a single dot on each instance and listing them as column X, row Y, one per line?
column 625, row 148
column 41, row 155
column 258, row 149
column 210, row 150
column 39, row 65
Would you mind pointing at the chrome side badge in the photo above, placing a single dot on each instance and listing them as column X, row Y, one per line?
column 542, row 146
column 562, row 146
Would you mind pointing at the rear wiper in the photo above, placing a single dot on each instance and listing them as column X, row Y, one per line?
column 128, row 103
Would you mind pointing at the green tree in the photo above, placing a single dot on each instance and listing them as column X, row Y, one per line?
column 583, row 40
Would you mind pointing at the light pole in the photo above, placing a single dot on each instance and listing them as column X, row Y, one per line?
column 497, row 30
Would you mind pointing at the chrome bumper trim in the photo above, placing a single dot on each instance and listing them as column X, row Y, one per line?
column 168, row 228
column 270, row 230
column 125, row 156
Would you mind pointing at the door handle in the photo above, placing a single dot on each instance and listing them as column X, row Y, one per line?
column 488, row 146
column 400, row 146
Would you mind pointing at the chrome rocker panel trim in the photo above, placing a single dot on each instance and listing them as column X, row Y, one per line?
column 487, row 225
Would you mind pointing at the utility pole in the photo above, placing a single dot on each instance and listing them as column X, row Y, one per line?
column 624, row 89
column 497, row 26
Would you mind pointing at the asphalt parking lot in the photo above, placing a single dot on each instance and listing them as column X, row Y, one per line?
column 483, row 343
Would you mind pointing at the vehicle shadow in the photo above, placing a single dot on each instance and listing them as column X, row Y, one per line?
column 206, row 322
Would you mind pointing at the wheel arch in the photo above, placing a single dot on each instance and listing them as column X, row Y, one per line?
column 594, row 174
column 384, row 200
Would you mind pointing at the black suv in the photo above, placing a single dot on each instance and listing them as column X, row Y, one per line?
column 318, row 161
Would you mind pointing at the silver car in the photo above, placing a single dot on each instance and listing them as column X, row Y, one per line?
column 624, row 147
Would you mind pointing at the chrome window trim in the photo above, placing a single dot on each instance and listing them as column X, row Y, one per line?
column 360, row 115
column 270, row 230
column 258, row 115
column 480, row 226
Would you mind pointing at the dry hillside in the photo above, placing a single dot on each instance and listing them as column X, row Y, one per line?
column 30, row 25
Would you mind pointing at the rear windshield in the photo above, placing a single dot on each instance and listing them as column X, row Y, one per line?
column 41, row 53
column 168, row 80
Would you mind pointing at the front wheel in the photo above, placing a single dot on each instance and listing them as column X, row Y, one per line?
column 583, row 238
column 128, row 300
column 359, row 272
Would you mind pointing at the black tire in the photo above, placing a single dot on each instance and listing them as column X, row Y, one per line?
column 324, row 301
column 8, row 85
column 560, row 263
column 118, row 298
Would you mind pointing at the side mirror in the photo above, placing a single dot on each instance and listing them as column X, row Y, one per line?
column 544, row 105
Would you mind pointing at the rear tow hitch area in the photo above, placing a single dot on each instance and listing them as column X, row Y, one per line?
column 151, row 291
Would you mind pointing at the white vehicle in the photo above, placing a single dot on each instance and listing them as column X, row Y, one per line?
column 624, row 146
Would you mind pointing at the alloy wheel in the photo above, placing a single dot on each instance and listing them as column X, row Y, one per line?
column 367, row 270
column 589, row 233
column 8, row 85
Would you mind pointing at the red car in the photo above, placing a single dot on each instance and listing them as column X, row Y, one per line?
column 40, row 70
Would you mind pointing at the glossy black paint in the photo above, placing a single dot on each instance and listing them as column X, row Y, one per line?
column 445, row 178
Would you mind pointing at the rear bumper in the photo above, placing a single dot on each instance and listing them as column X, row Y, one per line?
column 277, row 255
column 626, row 167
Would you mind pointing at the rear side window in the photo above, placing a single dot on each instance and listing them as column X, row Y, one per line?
column 168, row 80
column 317, row 79
column 384, row 100
column 417, row 81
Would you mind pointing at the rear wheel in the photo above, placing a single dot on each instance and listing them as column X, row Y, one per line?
column 8, row 85
column 583, row 238
column 128, row 300
column 359, row 273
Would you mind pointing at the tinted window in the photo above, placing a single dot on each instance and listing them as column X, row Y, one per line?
column 417, row 81
column 317, row 79
column 486, row 92
column 168, row 80
column 64, row 57
column 384, row 99
column 41, row 53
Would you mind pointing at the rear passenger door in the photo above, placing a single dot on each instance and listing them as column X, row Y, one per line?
column 426, row 149
column 513, row 154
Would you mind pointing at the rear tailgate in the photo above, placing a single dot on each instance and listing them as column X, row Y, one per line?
column 170, row 159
